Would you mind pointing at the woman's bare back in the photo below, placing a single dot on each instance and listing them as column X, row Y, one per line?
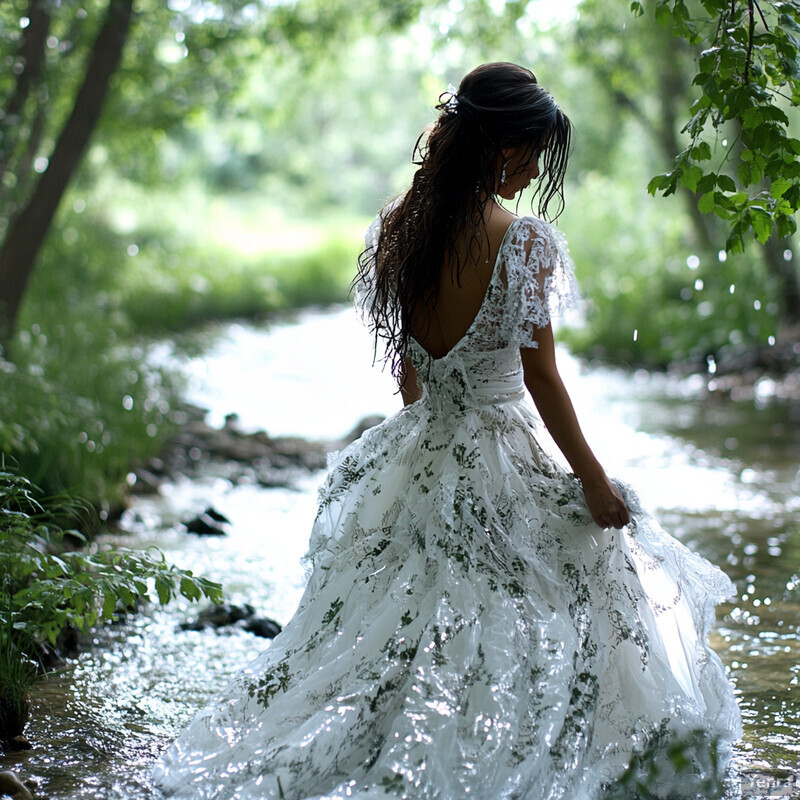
column 460, row 297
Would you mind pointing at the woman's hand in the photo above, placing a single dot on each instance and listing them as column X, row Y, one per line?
column 605, row 502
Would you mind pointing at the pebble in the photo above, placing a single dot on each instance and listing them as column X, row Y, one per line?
column 241, row 616
column 209, row 523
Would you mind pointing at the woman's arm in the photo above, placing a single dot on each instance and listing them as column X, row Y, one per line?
column 409, row 388
column 555, row 408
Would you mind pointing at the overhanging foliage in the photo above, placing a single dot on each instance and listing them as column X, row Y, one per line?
column 742, row 160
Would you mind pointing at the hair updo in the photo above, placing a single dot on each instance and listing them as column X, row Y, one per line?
column 500, row 106
column 496, row 106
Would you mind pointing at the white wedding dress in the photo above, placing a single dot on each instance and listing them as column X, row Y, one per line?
column 467, row 631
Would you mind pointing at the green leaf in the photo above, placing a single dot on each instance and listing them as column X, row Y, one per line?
column 657, row 183
column 706, row 203
column 51, row 630
column 777, row 114
column 779, row 187
column 127, row 597
column 701, row 151
column 212, row 590
column 739, row 199
column 724, row 201
column 163, row 589
column 752, row 117
column 726, row 183
column 663, row 14
column 762, row 225
column 791, row 171
column 64, row 569
column 706, row 183
column 745, row 172
column 109, row 603
column 690, row 178
column 190, row 590
column 786, row 227
column 735, row 243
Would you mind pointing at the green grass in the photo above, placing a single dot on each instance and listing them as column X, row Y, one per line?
column 17, row 676
column 211, row 283
column 162, row 263
column 81, row 408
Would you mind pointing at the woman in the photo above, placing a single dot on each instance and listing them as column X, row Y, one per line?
column 478, row 622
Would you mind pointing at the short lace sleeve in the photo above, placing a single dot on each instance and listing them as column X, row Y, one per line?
column 541, row 279
column 364, row 289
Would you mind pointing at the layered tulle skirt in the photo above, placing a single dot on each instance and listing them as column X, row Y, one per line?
column 467, row 631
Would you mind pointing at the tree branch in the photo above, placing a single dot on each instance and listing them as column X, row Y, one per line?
column 750, row 36
column 761, row 14
column 31, row 56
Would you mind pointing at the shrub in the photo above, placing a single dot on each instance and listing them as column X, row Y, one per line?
column 80, row 408
column 48, row 589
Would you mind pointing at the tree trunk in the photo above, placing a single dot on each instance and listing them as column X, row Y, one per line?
column 28, row 229
column 673, row 88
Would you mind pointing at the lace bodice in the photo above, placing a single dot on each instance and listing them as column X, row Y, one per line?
column 532, row 281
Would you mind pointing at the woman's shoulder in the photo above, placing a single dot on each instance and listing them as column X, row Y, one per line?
column 532, row 239
column 540, row 276
column 530, row 227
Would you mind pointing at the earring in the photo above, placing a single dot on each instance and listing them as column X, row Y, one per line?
column 503, row 173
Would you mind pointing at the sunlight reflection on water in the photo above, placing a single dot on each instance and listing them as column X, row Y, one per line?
column 311, row 379
column 316, row 380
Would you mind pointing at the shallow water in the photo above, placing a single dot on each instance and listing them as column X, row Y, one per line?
column 722, row 475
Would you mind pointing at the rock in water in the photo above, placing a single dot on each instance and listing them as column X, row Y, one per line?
column 227, row 615
column 11, row 785
column 216, row 515
column 209, row 523
column 264, row 627
column 219, row 616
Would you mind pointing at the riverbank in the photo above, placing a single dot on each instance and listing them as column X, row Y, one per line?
column 198, row 449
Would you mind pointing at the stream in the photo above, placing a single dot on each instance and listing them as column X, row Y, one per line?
column 721, row 474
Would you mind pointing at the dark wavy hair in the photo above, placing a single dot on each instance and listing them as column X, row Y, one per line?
column 497, row 106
